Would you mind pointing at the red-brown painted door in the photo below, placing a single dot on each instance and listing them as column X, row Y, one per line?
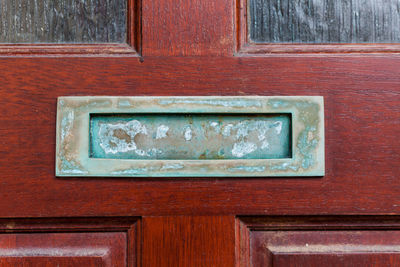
column 349, row 217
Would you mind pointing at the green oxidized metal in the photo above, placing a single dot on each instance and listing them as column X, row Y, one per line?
column 190, row 136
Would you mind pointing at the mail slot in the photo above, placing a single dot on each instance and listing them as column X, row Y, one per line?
column 190, row 136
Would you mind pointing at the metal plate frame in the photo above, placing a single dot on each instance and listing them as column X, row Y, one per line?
column 73, row 115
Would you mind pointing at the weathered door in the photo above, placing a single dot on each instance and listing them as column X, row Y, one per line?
column 345, row 51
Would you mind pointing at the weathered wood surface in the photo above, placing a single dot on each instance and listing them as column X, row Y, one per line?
column 362, row 130
column 63, row 21
column 63, row 249
column 187, row 241
column 318, row 241
column 324, row 21
column 182, row 28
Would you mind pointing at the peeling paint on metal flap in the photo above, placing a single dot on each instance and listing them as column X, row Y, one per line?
column 307, row 137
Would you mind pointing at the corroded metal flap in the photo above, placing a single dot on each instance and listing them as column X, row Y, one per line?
column 190, row 136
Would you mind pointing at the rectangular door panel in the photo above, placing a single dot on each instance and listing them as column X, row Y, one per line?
column 361, row 136
column 63, row 21
column 318, row 241
column 63, row 249
column 325, row 248
column 188, row 241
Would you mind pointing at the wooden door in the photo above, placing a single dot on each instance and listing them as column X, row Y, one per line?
column 349, row 217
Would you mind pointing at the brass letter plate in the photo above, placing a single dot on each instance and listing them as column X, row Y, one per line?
column 190, row 136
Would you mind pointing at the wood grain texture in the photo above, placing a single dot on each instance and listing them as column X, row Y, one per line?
column 182, row 28
column 129, row 227
column 324, row 21
column 63, row 249
column 99, row 50
column 63, row 21
column 318, row 241
column 246, row 46
column 188, row 241
column 129, row 46
column 339, row 259
column 362, row 129
column 324, row 248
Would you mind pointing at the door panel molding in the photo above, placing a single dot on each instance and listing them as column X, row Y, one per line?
column 274, row 240
column 129, row 226
column 245, row 47
column 131, row 48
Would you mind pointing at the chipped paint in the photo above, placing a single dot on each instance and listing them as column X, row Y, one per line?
column 119, row 137
column 227, row 130
column 124, row 103
column 278, row 127
column 68, row 165
column 132, row 171
column 243, row 148
column 148, row 137
column 306, row 141
column 278, row 103
column 162, row 131
column 178, row 136
column 284, row 167
column 66, row 124
column 188, row 133
column 213, row 102
column 216, row 126
column 248, row 169
column 265, row 144
column 175, row 166
column 306, row 145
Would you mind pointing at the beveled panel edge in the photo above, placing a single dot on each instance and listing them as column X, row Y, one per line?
column 131, row 226
column 132, row 47
column 68, row 224
column 245, row 47
column 27, row 50
column 72, row 137
column 244, row 225
column 319, row 222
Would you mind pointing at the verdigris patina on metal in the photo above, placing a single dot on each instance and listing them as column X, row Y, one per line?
column 190, row 136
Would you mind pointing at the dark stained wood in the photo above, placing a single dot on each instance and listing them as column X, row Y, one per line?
column 134, row 34
column 358, row 259
column 184, row 28
column 130, row 227
column 63, row 249
column 67, row 50
column 362, row 129
column 188, row 49
column 88, row 224
column 324, row 21
column 249, row 49
column 318, row 241
column 63, row 21
column 324, row 248
column 318, row 222
column 244, row 46
column 58, row 261
column 131, row 48
column 189, row 241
